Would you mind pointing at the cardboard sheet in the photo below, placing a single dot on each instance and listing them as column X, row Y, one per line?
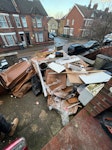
column 54, row 80
column 73, row 77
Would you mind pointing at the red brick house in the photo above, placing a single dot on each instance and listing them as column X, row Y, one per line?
column 79, row 20
column 22, row 22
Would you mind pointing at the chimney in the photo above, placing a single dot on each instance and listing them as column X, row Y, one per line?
column 95, row 6
column 89, row 6
column 106, row 10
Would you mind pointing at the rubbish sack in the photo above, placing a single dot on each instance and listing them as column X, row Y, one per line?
column 36, row 85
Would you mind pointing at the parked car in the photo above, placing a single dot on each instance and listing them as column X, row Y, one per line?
column 107, row 39
column 75, row 49
column 91, row 44
column 54, row 34
column 3, row 64
column 51, row 37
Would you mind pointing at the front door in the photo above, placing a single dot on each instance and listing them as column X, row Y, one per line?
column 28, row 38
column 23, row 39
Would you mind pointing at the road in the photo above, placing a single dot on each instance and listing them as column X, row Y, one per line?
column 30, row 52
column 58, row 41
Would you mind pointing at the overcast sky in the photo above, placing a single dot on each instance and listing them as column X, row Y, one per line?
column 54, row 7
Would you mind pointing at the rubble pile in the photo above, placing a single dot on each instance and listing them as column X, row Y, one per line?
column 68, row 82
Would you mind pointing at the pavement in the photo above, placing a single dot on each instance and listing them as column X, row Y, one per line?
column 36, row 123
column 42, row 127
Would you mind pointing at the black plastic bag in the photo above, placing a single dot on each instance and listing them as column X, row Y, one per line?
column 36, row 85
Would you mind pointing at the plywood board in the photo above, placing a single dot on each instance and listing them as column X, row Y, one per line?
column 73, row 77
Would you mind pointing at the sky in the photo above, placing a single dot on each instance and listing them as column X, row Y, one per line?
column 56, row 8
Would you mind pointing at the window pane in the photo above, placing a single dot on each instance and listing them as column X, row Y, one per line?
column 24, row 22
column 4, row 40
column 34, row 22
column 10, row 40
column 18, row 24
column 40, row 37
column 10, row 25
column 72, row 21
column 3, row 22
column 67, row 22
column 39, row 22
column 36, row 37
column 71, row 31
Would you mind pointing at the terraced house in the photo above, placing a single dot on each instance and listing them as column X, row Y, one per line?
column 22, row 22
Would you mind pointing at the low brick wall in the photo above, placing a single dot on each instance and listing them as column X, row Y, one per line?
column 9, row 49
column 102, row 101
column 105, row 50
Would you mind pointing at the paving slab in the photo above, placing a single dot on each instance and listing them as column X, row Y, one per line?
column 36, row 123
column 83, row 133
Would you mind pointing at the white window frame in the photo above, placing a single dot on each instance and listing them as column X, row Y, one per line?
column 39, row 37
column 68, row 21
column 8, row 19
column 7, row 41
column 34, row 22
column 71, row 31
column 73, row 22
column 36, row 37
column 66, row 30
column 3, row 22
column 24, row 22
column 17, row 21
column 10, row 40
column 85, row 33
column 39, row 22
column 88, row 22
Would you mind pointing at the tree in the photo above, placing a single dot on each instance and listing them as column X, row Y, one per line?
column 101, row 26
column 59, row 15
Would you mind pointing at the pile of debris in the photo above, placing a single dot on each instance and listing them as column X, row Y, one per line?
column 16, row 78
column 68, row 82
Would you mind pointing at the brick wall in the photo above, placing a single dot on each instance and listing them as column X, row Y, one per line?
column 30, row 29
column 102, row 101
column 9, row 49
column 105, row 50
column 78, row 21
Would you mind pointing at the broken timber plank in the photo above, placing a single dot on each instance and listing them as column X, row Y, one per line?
column 37, row 69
